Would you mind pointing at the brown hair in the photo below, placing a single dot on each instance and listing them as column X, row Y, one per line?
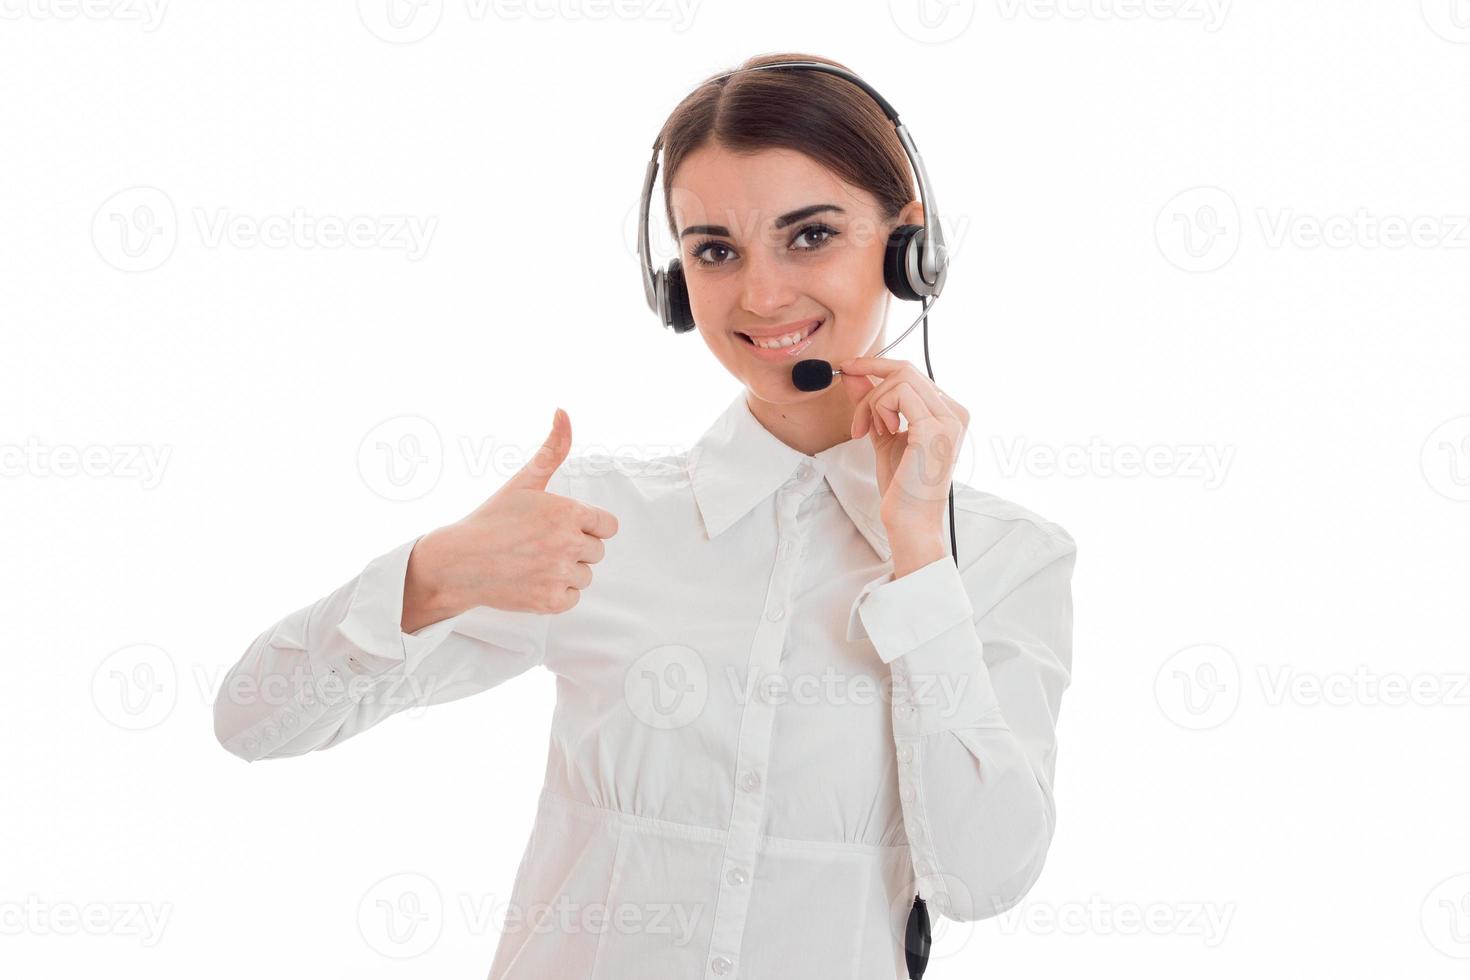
column 824, row 116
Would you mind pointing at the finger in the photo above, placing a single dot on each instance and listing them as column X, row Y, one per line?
column 536, row 474
column 961, row 412
column 592, row 550
column 938, row 449
column 902, row 398
column 880, row 366
column 580, row 576
column 923, row 389
column 596, row 521
column 857, row 386
column 894, row 371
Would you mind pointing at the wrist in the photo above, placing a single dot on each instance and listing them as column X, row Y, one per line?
column 426, row 598
column 913, row 548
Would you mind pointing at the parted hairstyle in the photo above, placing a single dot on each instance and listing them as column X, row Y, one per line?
column 826, row 117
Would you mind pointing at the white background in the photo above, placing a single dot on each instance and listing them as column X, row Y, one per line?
column 1230, row 236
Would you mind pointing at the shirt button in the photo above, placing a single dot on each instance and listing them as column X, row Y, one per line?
column 720, row 965
column 775, row 614
column 737, row 877
column 916, row 833
column 750, row 780
column 906, row 793
column 771, row 688
column 906, row 710
column 906, row 753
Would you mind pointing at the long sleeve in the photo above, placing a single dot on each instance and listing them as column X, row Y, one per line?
column 342, row 664
column 979, row 656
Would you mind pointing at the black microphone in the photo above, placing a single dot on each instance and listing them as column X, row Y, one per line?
column 812, row 374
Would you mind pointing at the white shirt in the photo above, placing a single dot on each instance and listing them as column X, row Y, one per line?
column 763, row 743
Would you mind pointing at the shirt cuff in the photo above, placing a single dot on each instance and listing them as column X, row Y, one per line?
column 901, row 614
column 921, row 626
column 373, row 626
column 375, row 614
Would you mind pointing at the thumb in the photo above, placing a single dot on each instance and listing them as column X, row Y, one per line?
column 537, row 472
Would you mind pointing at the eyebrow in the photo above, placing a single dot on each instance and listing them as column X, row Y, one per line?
column 790, row 217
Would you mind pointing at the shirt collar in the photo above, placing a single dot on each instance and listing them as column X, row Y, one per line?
column 737, row 463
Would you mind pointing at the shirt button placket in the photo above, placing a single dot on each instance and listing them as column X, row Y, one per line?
column 753, row 756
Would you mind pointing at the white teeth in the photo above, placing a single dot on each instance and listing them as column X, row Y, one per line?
column 786, row 341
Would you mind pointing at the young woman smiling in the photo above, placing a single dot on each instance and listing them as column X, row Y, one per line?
column 783, row 707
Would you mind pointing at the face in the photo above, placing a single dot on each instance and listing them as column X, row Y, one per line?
column 773, row 242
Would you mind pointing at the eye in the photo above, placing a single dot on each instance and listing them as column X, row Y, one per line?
column 830, row 234
column 699, row 251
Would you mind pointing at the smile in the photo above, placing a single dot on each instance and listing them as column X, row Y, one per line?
column 783, row 353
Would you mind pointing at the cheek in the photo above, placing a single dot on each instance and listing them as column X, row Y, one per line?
column 852, row 279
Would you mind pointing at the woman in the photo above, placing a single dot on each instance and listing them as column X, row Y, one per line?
column 783, row 706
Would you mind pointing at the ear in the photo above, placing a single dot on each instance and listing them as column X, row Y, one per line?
column 912, row 214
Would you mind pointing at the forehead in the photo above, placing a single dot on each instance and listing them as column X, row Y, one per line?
column 714, row 185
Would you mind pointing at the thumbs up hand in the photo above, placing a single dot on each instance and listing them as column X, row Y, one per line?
column 524, row 549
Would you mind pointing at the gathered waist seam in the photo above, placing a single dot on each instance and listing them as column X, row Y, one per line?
column 714, row 835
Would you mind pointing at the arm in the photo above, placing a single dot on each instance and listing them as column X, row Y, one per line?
column 979, row 657
column 344, row 663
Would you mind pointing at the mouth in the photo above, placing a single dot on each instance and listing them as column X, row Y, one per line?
column 782, row 353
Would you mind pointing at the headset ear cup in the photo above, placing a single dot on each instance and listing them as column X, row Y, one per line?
column 901, row 242
column 680, row 314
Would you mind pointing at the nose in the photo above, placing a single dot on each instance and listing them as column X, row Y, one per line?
column 768, row 285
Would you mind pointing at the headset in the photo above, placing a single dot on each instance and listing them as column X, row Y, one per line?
column 915, row 267
column 915, row 261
